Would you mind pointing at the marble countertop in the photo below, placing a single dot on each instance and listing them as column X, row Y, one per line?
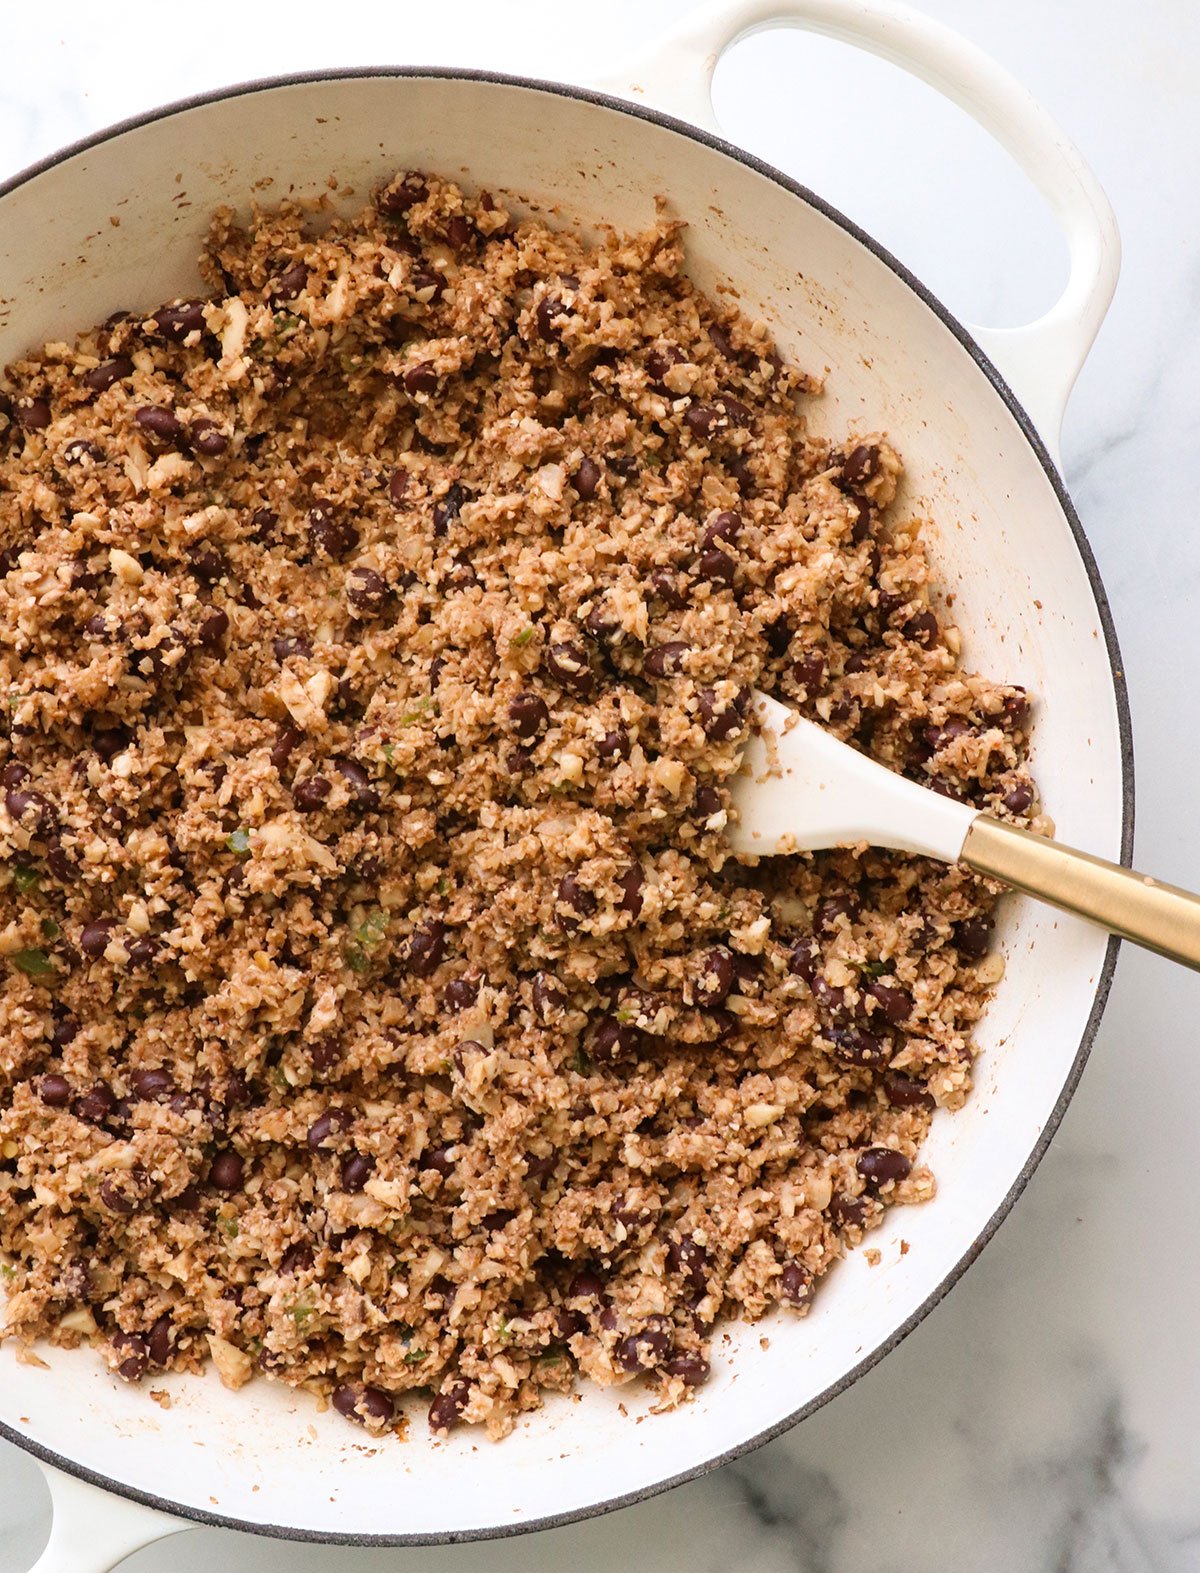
column 1047, row 1414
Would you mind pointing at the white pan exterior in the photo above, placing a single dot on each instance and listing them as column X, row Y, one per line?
column 1026, row 605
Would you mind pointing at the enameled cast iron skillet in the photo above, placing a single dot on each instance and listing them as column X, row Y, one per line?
column 976, row 414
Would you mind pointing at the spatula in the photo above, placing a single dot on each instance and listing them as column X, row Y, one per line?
column 800, row 789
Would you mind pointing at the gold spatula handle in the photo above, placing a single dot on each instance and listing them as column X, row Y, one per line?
column 1160, row 917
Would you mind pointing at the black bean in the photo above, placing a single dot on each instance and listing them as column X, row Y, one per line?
column 438, row 1159
column 972, row 938
column 362, row 791
column 356, row 1170
column 587, row 1284
column 716, row 977
column 831, row 1002
column 857, row 1045
column 796, row 1284
column 716, row 566
column 446, row 1409
column 578, row 901
column 421, row 378
column 208, row 565
column 403, row 194
column 615, row 1040
column 329, row 533
column 58, row 861
column 737, row 413
column 645, row 1349
column 529, row 715
column 1019, row 798
column 587, row 478
column 881, row 1165
column 298, row 1258
column 922, row 629
column 895, row 1003
column 808, row 671
column 631, row 885
column 134, row 1356
column 30, row 809
column 179, row 320
column 13, row 774
column 54, row 1091
column 359, row 1402
column 568, row 1324
column 95, row 937
column 860, row 465
column 702, row 419
column 426, row 948
column 720, row 718
column 332, row 1123
column 1016, row 709
column 310, row 794
column 460, row 231
column 687, row 1257
column 286, row 742
column 448, row 508
column 398, row 486
column 66, row 1030
column 847, row 1211
column 659, row 362
column 614, row 745
column 161, row 1340
column 160, row 422
column 833, row 909
column 706, row 802
column 366, row 590
column 285, row 646
column 82, row 451
column 152, row 1084
column 722, row 527
column 568, row 665
column 227, row 1172
column 264, row 524
column 549, row 312
column 212, row 630
column 861, row 527
column 692, row 1369
column 206, row 437
column 115, row 1199
column 601, row 625
column 666, row 660
column 547, row 997
column 667, row 588
column 34, row 414
column 290, row 282
column 806, row 959
column 905, row 1092
column 96, row 1104
column 101, row 377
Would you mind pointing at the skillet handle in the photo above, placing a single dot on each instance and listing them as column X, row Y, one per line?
column 93, row 1531
column 1041, row 360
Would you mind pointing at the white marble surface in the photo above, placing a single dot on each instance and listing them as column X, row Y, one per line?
column 1047, row 1416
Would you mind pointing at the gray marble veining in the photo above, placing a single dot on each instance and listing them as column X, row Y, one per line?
column 1046, row 1416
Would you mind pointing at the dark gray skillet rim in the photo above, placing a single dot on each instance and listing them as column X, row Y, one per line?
column 1104, row 984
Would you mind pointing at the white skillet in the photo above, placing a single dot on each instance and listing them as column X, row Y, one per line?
column 981, row 461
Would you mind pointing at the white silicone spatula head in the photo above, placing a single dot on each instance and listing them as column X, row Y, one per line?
column 799, row 790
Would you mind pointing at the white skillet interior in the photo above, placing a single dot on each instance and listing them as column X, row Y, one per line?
column 1023, row 601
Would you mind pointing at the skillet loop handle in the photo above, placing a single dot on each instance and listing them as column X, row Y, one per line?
column 92, row 1531
column 1041, row 360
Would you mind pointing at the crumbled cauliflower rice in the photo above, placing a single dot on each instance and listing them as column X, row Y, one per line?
column 379, row 1008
